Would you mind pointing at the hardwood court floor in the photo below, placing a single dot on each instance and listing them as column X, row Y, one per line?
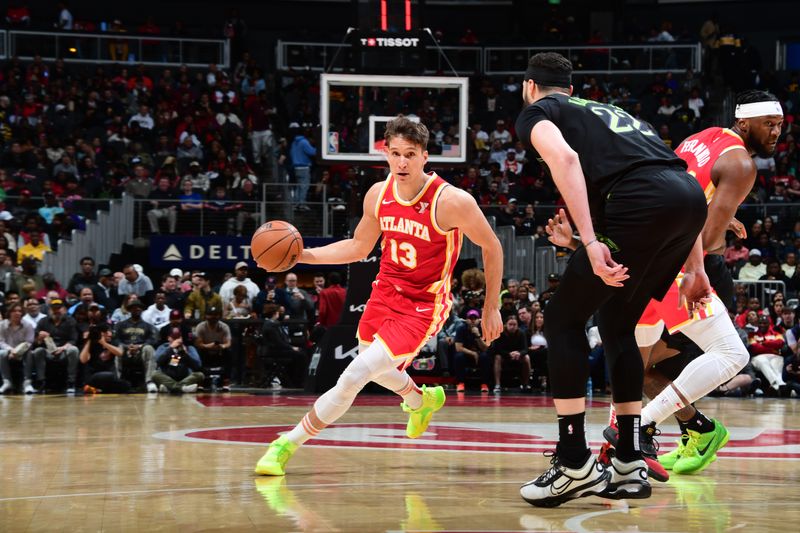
column 161, row 463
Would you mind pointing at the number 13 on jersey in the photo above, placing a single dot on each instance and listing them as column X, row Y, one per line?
column 403, row 253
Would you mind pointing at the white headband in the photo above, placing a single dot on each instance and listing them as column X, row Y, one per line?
column 758, row 109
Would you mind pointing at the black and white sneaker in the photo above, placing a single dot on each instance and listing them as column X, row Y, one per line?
column 628, row 480
column 560, row 483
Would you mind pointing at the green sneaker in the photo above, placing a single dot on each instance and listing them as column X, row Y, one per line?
column 418, row 419
column 273, row 463
column 701, row 450
column 668, row 460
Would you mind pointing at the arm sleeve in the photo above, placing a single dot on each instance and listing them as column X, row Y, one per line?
column 544, row 109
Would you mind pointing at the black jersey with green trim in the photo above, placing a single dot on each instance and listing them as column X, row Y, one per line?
column 609, row 142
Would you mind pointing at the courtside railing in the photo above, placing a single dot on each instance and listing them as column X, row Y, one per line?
column 600, row 59
column 506, row 60
column 94, row 48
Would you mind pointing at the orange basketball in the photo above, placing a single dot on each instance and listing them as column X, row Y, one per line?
column 276, row 246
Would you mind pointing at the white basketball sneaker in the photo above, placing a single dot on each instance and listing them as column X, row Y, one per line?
column 560, row 483
column 628, row 480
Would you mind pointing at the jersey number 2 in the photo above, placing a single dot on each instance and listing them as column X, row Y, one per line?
column 619, row 121
column 403, row 253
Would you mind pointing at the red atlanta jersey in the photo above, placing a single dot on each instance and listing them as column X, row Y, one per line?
column 418, row 257
column 701, row 151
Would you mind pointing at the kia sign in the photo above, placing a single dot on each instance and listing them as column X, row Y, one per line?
column 167, row 251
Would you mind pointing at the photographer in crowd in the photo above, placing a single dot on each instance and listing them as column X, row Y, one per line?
column 99, row 356
column 178, row 371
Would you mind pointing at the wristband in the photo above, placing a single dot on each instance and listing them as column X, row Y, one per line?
column 590, row 243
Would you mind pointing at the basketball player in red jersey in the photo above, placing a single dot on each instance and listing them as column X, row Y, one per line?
column 422, row 220
column 721, row 160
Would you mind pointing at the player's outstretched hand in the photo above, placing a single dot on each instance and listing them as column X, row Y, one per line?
column 695, row 290
column 492, row 325
column 737, row 228
column 611, row 272
column 559, row 230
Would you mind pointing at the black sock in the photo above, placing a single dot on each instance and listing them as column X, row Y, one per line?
column 572, row 449
column 684, row 430
column 628, row 443
column 700, row 423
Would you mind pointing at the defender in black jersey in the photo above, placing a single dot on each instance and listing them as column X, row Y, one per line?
column 639, row 214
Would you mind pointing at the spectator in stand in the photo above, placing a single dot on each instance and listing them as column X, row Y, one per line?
column 137, row 339
column 28, row 274
column 158, row 313
column 142, row 118
column 790, row 264
column 754, row 269
column 99, row 356
column 506, row 215
column 247, row 197
column 775, row 273
column 50, row 209
column 18, row 16
column 50, row 286
column 500, row 134
column 16, row 339
column 240, row 306
column 201, row 298
column 6, row 264
column 178, row 371
column 187, row 334
column 134, row 282
column 301, row 152
column 538, row 350
column 736, row 254
column 105, row 291
column 240, row 278
column 525, row 319
column 163, row 206
column 266, row 296
column 189, row 151
column 765, row 345
column 191, row 203
column 279, row 345
column 64, row 22
column 511, row 347
column 471, row 351
column 201, row 182
column 33, row 312
column 85, row 278
column 56, row 341
column 213, row 342
column 297, row 303
column 331, row 301
column 140, row 185
column 122, row 312
column 35, row 248
column 220, row 211
column 173, row 292
column 86, row 298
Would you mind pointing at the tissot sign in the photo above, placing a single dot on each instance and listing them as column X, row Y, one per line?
column 167, row 251
column 390, row 42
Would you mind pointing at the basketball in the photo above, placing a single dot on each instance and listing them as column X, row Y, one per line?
column 276, row 246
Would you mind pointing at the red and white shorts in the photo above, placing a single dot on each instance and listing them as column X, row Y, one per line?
column 400, row 324
column 669, row 314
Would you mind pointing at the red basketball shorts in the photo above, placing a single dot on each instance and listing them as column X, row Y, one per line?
column 400, row 324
